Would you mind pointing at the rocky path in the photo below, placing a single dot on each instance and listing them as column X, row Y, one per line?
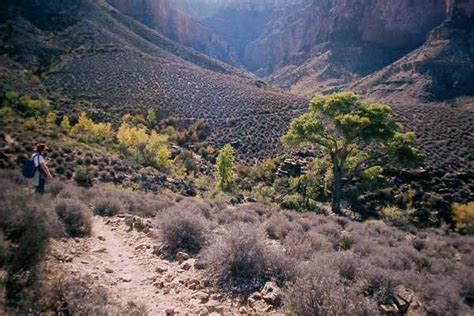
column 123, row 262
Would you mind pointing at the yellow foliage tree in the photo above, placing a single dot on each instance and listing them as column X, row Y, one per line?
column 65, row 123
column 51, row 119
column 463, row 215
column 89, row 131
column 149, row 149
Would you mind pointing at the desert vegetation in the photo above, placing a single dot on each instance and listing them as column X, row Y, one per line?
column 300, row 263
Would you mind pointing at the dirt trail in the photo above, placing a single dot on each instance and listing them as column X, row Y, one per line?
column 123, row 262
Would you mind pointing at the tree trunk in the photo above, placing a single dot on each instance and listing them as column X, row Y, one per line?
column 337, row 190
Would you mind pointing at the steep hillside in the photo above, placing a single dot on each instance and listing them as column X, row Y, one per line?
column 118, row 65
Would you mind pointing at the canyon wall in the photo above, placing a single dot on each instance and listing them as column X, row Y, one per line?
column 165, row 17
column 392, row 25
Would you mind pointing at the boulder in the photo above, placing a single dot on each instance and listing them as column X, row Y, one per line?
column 272, row 294
column 182, row 256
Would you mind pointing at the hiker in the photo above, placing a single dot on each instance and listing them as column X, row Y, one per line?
column 42, row 172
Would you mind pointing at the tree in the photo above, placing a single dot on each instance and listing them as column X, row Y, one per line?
column 51, row 119
column 151, row 117
column 225, row 161
column 65, row 123
column 354, row 136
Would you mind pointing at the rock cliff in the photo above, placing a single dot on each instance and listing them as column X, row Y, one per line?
column 334, row 42
column 166, row 17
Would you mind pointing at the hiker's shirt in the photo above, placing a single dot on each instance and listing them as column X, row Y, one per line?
column 39, row 174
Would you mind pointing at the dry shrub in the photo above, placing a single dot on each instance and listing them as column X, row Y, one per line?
column 303, row 246
column 137, row 203
column 279, row 226
column 75, row 216
column 27, row 223
column 107, row 207
column 64, row 296
column 181, row 229
column 231, row 215
column 332, row 231
column 320, row 292
column 379, row 284
column 241, row 263
column 55, row 187
column 147, row 204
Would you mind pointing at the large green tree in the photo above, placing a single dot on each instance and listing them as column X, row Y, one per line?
column 354, row 136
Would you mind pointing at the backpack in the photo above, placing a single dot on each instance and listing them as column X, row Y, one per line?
column 29, row 169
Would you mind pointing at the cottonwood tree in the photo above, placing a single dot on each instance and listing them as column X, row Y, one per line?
column 354, row 136
column 225, row 174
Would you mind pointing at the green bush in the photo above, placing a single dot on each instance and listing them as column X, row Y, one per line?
column 84, row 177
column 399, row 217
column 186, row 160
column 297, row 203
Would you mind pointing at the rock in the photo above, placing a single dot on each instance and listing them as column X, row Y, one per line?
column 126, row 280
column 272, row 294
column 186, row 266
column 217, row 297
column 101, row 238
column 256, row 296
column 192, row 284
column 259, row 306
column 161, row 269
column 170, row 312
column 251, row 200
column 182, row 256
column 101, row 250
column 389, row 309
column 202, row 297
column 158, row 250
column 402, row 298
column 199, row 265
column 108, row 270
column 406, row 302
column 169, row 278
column 214, row 308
